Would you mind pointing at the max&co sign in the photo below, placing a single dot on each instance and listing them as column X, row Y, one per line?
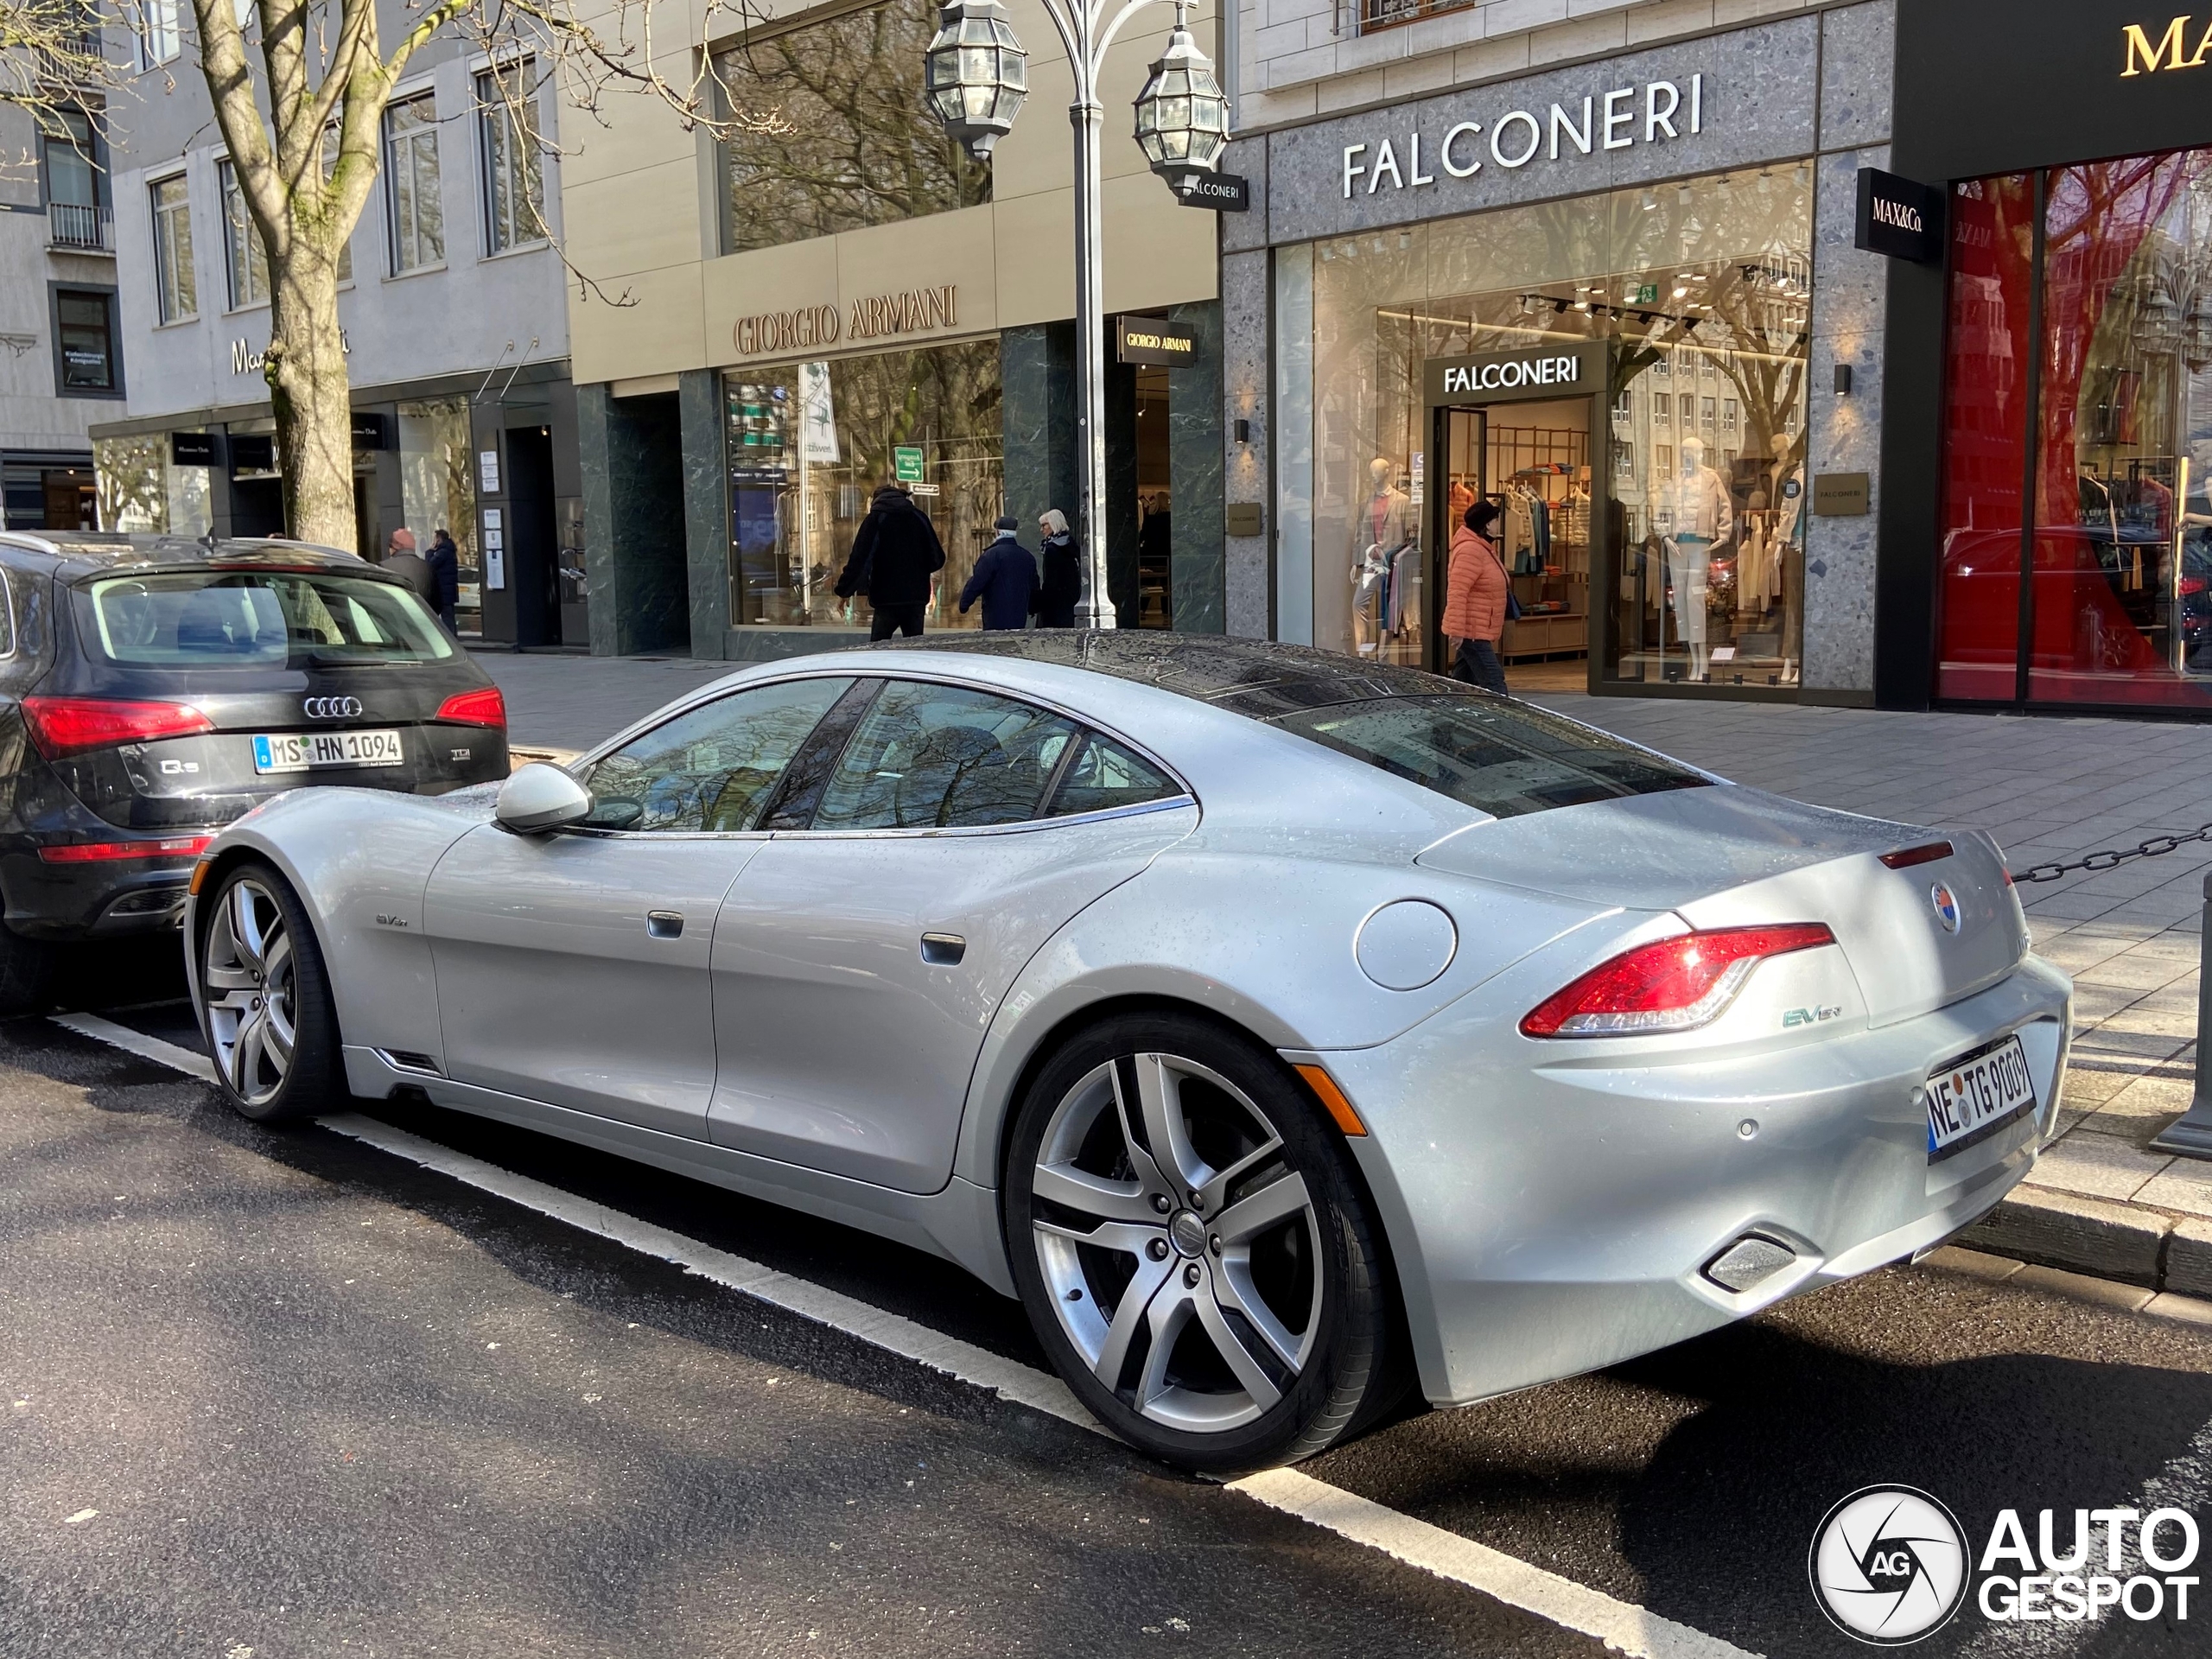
column 1898, row 217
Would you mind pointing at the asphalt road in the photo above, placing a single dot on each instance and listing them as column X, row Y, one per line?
column 318, row 1401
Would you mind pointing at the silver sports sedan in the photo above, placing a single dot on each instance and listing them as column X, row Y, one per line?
column 1283, row 1030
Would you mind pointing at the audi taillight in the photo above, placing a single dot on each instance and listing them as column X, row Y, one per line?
column 482, row 707
column 99, row 852
column 1675, row 984
column 62, row 726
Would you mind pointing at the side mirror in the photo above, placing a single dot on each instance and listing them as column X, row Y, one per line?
column 539, row 798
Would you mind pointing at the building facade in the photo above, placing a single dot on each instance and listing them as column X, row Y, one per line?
column 60, row 362
column 455, row 334
column 833, row 297
column 1785, row 335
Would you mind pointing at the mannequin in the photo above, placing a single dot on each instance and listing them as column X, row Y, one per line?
column 1384, row 525
column 1703, row 515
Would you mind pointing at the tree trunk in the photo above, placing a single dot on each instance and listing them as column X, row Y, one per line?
column 306, row 371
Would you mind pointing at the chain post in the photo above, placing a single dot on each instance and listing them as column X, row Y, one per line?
column 2191, row 1134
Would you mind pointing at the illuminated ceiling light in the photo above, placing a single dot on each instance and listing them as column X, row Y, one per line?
column 1182, row 113
column 976, row 73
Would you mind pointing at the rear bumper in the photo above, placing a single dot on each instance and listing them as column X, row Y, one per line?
column 1550, row 1209
column 103, row 899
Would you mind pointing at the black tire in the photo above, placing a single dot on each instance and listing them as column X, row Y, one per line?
column 280, row 986
column 26, row 971
column 1319, row 1273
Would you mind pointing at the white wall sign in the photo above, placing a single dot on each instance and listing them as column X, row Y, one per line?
column 1619, row 119
column 487, row 471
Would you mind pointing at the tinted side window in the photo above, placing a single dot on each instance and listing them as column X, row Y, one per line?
column 1103, row 775
column 943, row 757
column 713, row 768
column 7, row 617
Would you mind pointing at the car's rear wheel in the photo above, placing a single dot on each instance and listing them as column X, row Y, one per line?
column 1193, row 1247
column 26, row 970
column 265, row 1000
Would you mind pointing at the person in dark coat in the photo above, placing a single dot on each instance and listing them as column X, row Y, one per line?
column 1063, row 583
column 896, row 552
column 401, row 560
column 1005, row 579
column 444, row 561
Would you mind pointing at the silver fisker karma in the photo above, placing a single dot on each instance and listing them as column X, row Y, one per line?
column 1286, row 1031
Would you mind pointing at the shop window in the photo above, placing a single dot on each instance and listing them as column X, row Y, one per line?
column 84, row 342
column 831, row 131
column 412, row 191
column 141, row 491
column 714, row 767
column 512, row 157
column 437, row 487
column 1700, row 537
column 2103, row 420
column 808, row 444
column 176, row 289
column 244, row 256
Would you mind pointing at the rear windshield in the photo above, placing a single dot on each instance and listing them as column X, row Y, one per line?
column 1504, row 759
column 258, row 619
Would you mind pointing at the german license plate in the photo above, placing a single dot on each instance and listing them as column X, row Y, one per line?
column 1974, row 1096
column 309, row 751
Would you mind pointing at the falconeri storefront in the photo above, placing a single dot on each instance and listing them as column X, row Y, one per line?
column 1611, row 298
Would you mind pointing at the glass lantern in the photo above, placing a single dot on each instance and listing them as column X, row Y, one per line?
column 978, row 74
column 1182, row 115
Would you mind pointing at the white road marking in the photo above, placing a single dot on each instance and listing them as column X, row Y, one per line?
column 136, row 1042
column 1620, row 1625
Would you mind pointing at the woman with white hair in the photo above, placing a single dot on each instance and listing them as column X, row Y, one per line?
column 1063, row 585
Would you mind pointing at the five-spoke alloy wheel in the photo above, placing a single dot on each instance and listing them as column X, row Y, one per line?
column 1193, row 1246
column 264, row 1000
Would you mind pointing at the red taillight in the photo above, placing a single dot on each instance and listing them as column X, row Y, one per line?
column 2192, row 584
column 1912, row 856
column 63, row 726
column 484, row 707
column 94, row 852
column 1674, row 984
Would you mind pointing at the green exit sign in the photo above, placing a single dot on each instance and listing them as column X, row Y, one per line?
column 907, row 462
column 1648, row 294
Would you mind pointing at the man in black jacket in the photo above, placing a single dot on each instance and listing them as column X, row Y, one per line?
column 894, row 554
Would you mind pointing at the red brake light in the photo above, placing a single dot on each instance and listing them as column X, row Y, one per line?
column 2192, row 584
column 1674, row 984
column 1923, row 854
column 480, row 708
column 91, row 852
column 63, row 726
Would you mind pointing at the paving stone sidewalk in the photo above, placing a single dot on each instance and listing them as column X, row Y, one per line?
column 2050, row 791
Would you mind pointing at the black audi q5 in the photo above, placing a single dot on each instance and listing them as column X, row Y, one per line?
column 153, row 689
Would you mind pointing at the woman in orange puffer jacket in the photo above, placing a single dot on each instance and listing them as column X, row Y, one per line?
column 1475, row 588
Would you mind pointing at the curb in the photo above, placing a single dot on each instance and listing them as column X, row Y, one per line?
column 2123, row 1242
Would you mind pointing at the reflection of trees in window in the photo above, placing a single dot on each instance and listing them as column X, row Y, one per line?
column 840, row 136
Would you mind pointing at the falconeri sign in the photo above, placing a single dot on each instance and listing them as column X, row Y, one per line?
column 1564, row 369
column 1619, row 119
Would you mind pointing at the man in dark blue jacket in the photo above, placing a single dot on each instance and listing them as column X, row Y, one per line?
column 1005, row 580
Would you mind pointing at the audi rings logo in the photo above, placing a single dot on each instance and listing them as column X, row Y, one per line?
column 1889, row 1565
column 332, row 708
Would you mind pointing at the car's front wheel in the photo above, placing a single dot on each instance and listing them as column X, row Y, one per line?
column 1193, row 1247
column 264, row 999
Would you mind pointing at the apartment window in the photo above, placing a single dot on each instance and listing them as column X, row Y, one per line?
column 410, row 172
column 178, row 295
column 1730, row 411
column 160, row 39
column 241, row 251
column 1705, row 407
column 76, row 206
column 514, row 186
column 1388, row 13
column 84, row 342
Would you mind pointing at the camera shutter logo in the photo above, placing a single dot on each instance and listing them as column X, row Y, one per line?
column 1889, row 1565
column 332, row 708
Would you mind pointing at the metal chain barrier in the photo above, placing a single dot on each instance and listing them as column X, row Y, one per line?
column 2112, row 858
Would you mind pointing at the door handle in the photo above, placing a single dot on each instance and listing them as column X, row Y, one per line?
column 663, row 924
column 943, row 949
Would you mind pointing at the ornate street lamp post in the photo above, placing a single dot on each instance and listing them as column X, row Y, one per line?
column 978, row 76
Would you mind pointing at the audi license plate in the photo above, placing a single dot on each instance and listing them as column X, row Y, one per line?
column 1977, row 1095
column 307, row 751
